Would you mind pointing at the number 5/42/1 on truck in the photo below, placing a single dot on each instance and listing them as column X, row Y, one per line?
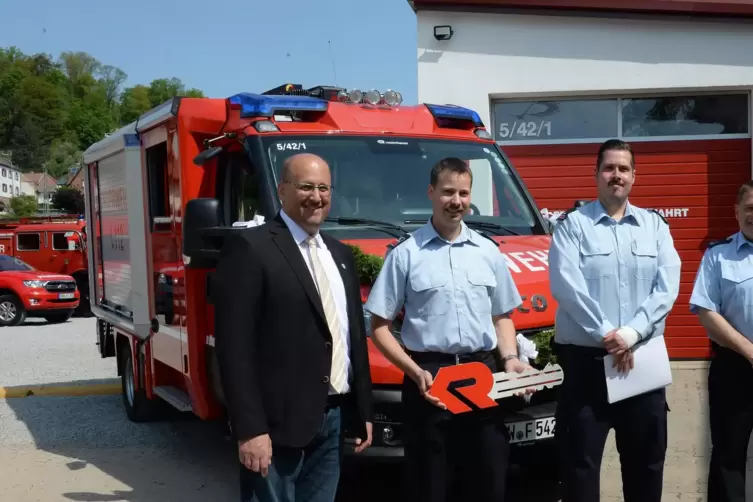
column 162, row 192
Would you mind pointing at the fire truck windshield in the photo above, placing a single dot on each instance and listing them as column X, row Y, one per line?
column 11, row 264
column 385, row 179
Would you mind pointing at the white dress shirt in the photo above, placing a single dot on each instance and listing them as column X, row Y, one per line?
column 335, row 280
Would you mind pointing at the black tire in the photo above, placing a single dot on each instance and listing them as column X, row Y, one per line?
column 12, row 311
column 59, row 317
column 138, row 407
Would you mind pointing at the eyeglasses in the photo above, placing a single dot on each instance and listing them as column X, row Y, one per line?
column 309, row 187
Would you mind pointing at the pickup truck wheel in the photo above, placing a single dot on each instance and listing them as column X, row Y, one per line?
column 12, row 312
column 138, row 407
column 59, row 317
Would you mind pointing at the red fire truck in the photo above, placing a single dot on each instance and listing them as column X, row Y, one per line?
column 163, row 191
column 55, row 244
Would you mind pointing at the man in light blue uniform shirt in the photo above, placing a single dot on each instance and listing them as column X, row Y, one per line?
column 615, row 274
column 458, row 294
column 723, row 300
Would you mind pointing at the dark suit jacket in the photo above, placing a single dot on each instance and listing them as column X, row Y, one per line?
column 273, row 345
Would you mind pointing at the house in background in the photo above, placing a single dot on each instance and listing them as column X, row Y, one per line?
column 10, row 181
column 76, row 180
column 40, row 185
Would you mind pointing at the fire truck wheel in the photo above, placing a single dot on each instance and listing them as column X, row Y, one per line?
column 138, row 407
column 12, row 311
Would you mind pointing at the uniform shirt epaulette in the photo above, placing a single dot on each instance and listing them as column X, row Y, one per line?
column 565, row 214
column 485, row 236
column 399, row 241
column 717, row 242
column 660, row 215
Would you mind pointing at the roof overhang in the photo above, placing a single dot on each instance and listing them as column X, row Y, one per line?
column 726, row 8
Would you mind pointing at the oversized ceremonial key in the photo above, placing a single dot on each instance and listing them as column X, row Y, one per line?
column 486, row 387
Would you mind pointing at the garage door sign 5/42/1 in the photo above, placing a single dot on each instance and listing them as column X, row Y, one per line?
column 525, row 129
column 475, row 383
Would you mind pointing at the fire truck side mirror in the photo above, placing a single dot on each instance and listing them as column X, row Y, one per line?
column 206, row 155
column 202, row 232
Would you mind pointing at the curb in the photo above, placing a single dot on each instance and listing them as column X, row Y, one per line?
column 61, row 390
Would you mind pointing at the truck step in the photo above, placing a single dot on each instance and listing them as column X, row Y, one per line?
column 175, row 397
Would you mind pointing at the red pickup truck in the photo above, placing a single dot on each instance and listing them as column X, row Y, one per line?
column 27, row 292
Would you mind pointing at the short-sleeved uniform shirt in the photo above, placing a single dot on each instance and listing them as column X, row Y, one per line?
column 607, row 274
column 450, row 291
column 724, row 283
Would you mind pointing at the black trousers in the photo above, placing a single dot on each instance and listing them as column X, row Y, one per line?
column 441, row 448
column 584, row 419
column 731, row 422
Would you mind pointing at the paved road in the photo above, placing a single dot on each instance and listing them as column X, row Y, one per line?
column 38, row 352
column 83, row 449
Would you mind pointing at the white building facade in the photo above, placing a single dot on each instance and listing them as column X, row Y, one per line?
column 10, row 179
column 552, row 82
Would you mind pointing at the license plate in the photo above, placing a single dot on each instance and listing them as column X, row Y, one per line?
column 66, row 296
column 531, row 430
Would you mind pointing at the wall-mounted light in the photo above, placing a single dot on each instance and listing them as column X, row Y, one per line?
column 443, row 32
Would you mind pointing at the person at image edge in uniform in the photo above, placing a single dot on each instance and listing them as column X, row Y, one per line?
column 458, row 293
column 722, row 300
column 291, row 344
column 615, row 274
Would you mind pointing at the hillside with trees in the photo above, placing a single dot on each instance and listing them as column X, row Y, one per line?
column 51, row 110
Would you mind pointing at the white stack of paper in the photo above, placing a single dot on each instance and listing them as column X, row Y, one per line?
column 650, row 371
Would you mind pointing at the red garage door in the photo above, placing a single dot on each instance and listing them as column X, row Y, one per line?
column 693, row 183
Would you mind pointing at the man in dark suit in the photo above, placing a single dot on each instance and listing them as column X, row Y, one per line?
column 291, row 344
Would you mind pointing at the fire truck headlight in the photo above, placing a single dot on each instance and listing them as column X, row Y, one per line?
column 392, row 98
column 373, row 97
column 34, row 284
column 355, row 96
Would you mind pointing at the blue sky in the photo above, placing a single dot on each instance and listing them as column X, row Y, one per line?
column 226, row 48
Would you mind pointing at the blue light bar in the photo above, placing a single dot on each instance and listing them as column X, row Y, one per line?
column 257, row 105
column 455, row 112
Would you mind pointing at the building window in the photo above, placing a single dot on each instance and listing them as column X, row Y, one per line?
column 556, row 120
column 685, row 116
column 5, row 188
column 16, row 190
column 656, row 118
column 16, row 176
column 28, row 242
column 5, row 173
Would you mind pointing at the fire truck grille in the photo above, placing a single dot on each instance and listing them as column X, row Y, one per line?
column 61, row 286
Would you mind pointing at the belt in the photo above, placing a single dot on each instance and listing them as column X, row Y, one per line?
column 444, row 358
column 581, row 350
column 334, row 401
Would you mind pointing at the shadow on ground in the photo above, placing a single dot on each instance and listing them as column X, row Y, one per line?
column 84, row 449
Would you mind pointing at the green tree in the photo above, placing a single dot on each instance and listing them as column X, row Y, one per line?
column 69, row 200
column 134, row 102
column 24, row 205
column 52, row 109
column 64, row 154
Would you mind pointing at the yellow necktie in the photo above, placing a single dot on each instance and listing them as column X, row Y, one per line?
column 338, row 373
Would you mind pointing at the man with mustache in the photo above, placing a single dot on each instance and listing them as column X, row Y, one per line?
column 458, row 295
column 291, row 344
column 721, row 298
column 615, row 274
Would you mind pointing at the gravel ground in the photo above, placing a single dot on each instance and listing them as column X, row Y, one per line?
column 84, row 449
column 37, row 352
